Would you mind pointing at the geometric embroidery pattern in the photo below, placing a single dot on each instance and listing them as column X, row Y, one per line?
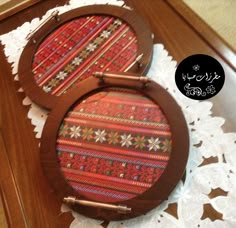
column 82, row 46
column 114, row 145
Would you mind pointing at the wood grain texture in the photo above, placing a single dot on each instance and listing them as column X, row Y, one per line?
column 10, row 202
column 39, row 206
column 217, row 43
column 3, row 215
column 13, row 6
column 23, row 154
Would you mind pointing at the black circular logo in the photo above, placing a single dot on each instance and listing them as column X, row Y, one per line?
column 199, row 77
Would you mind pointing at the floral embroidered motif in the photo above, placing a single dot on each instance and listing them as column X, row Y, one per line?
column 87, row 133
column 64, row 130
column 53, row 82
column 100, row 136
column 75, row 132
column 84, row 54
column 166, row 147
column 47, row 89
column 77, row 61
column 69, row 68
column 126, row 140
column 61, row 75
column 118, row 22
column 154, row 144
column 139, row 142
column 105, row 34
column 91, row 47
column 113, row 138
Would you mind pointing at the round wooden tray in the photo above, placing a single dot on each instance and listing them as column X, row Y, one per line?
column 69, row 47
column 115, row 141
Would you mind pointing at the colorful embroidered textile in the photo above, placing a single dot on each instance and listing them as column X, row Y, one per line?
column 79, row 47
column 114, row 145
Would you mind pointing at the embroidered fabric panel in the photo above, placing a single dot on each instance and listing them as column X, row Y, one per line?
column 79, row 47
column 114, row 145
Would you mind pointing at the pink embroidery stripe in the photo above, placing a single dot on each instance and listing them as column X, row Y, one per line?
column 105, row 119
column 78, row 48
column 96, row 191
column 116, row 152
column 104, row 183
column 52, row 37
column 101, row 195
column 61, row 45
column 115, row 179
column 125, row 100
column 119, row 53
column 88, row 62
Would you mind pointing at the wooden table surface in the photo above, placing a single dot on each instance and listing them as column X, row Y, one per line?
column 26, row 199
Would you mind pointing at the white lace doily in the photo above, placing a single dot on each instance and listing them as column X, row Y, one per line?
column 207, row 139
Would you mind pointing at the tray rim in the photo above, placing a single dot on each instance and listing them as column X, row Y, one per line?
column 137, row 23
column 167, row 181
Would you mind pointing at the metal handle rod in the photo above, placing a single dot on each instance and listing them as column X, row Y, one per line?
column 103, row 75
column 119, row 208
column 137, row 60
column 54, row 14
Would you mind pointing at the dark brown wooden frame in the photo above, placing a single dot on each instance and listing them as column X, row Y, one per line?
column 14, row 6
column 143, row 33
column 166, row 183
